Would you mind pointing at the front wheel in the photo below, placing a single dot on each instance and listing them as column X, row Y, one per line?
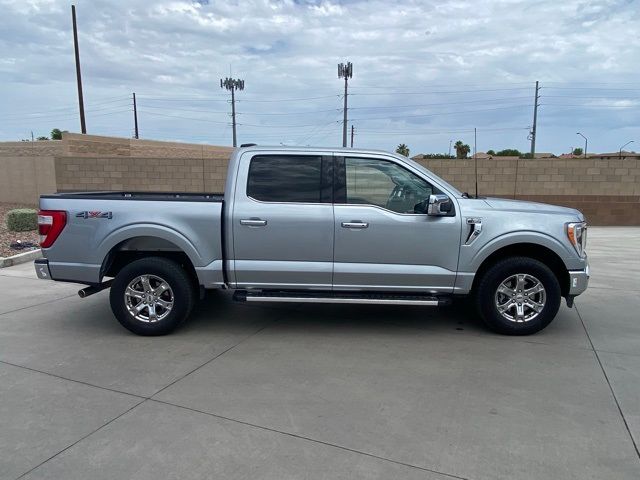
column 518, row 296
column 152, row 296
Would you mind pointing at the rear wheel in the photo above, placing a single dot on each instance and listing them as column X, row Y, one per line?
column 518, row 296
column 152, row 296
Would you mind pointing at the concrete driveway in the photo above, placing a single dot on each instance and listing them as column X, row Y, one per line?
column 302, row 391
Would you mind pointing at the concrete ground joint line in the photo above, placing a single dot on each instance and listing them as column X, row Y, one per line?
column 215, row 357
column 38, row 304
column 309, row 439
column 72, row 380
column 613, row 393
column 81, row 439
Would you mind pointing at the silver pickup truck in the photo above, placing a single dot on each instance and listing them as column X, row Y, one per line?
column 317, row 225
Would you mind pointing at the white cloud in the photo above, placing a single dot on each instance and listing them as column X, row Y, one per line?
column 409, row 53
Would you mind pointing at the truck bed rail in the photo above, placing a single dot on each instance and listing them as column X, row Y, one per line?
column 146, row 196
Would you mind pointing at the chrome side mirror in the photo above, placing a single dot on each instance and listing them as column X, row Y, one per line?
column 439, row 205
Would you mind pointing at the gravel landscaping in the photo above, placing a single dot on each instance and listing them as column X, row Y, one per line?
column 8, row 238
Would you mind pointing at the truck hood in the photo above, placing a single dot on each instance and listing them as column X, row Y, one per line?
column 507, row 205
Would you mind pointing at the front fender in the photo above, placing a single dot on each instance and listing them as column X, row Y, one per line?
column 569, row 258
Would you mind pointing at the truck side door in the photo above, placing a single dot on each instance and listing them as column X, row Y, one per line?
column 283, row 221
column 383, row 240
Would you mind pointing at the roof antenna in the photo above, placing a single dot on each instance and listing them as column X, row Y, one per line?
column 475, row 156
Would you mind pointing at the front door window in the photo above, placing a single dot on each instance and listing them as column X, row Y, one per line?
column 385, row 184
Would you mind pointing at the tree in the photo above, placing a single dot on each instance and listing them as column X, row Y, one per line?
column 578, row 152
column 42, row 138
column 508, row 152
column 491, row 152
column 462, row 149
column 403, row 150
column 56, row 134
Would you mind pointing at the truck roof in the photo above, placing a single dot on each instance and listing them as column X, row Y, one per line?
column 314, row 149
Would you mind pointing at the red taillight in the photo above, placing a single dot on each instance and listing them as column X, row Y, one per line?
column 50, row 224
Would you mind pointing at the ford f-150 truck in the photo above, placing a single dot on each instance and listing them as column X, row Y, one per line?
column 316, row 225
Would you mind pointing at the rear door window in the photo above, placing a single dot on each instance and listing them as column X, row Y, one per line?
column 285, row 178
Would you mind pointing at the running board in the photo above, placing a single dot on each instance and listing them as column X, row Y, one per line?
column 339, row 297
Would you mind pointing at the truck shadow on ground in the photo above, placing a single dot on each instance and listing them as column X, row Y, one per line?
column 220, row 308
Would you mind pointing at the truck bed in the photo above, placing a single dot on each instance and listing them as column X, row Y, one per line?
column 149, row 196
column 99, row 224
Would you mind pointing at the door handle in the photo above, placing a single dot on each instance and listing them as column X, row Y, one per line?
column 253, row 222
column 355, row 224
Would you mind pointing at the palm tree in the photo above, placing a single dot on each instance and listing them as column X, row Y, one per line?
column 462, row 149
column 403, row 150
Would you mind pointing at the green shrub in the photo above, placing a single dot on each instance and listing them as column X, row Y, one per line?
column 22, row 219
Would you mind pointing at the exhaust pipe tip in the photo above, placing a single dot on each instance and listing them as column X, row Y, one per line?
column 91, row 289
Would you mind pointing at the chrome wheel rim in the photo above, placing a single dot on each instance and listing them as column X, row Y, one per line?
column 148, row 298
column 520, row 298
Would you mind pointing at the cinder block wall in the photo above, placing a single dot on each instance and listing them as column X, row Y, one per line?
column 605, row 189
column 206, row 174
column 27, row 170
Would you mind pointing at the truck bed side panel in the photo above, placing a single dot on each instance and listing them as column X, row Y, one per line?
column 193, row 227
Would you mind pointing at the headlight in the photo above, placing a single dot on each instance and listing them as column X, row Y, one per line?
column 577, row 234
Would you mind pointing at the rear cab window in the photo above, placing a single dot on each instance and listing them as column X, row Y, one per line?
column 287, row 178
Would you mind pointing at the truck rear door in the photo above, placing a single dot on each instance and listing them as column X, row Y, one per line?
column 283, row 223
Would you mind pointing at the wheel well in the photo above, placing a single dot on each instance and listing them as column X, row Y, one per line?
column 531, row 250
column 136, row 248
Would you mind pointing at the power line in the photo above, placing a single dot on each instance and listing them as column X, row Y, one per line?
column 443, row 92
column 417, row 105
column 238, row 113
column 277, row 100
column 442, row 113
column 593, row 88
column 185, row 118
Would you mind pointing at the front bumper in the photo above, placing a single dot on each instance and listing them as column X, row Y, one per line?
column 42, row 268
column 578, row 281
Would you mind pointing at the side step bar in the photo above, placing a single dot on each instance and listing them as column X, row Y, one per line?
column 339, row 297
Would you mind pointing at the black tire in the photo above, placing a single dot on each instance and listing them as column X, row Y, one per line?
column 182, row 294
column 487, row 287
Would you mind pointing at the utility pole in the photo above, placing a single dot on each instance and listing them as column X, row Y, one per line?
column 535, row 121
column 345, row 71
column 135, row 115
column 450, row 142
column 232, row 85
column 83, row 126
column 351, row 136
column 475, row 156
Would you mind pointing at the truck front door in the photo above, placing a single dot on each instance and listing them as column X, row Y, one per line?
column 382, row 241
column 283, row 222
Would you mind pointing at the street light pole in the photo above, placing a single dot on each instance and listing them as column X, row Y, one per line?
column 586, row 142
column 620, row 152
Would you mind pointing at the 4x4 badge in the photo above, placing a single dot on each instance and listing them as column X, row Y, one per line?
column 94, row 214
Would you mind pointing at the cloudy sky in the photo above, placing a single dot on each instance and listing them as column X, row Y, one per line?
column 424, row 72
